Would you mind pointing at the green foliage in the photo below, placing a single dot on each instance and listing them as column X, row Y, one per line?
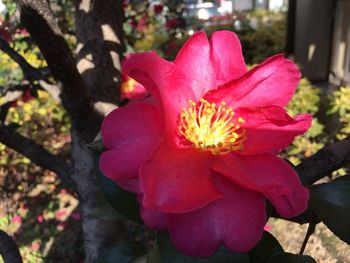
column 148, row 29
column 164, row 252
column 267, row 247
column 262, row 34
column 122, row 201
column 331, row 203
column 43, row 120
column 340, row 105
column 266, row 41
column 306, row 100
column 124, row 253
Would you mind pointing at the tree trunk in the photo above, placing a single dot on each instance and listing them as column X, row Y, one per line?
column 89, row 89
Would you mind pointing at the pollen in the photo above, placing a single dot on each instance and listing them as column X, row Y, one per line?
column 211, row 127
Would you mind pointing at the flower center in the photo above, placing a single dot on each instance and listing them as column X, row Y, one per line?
column 211, row 128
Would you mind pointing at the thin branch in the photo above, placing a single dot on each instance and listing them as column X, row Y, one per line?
column 28, row 70
column 38, row 19
column 35, row 152
column 325, row 161
column 10, row 93
column 31, row 73
column 310, row 230
column 8, row 249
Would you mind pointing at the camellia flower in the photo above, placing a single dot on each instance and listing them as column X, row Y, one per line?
column 200, row 152
column 158, row 9
column 172, row 23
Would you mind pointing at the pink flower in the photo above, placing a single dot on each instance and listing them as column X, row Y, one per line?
column 200, row 153
column 36, row 245
column 40, row 218
column 16, row 219
column 76, row 216
column 172, row 23
column 267, row 227
column 158, row 9
column 4, row 33
column 61, row 226
column 60, row 213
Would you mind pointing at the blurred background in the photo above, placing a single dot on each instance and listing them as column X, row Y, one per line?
column 43, row 215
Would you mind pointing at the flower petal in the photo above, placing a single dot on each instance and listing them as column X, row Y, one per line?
column 177, row 181
column 226, row 56
column 133, row 130
column 269, row 175
column 273, row 82
column 194, row 60
column 237, row 220
column 271, row 129
column 135, row 122
column 117, row 165
column 164, row 80
column 153, row 218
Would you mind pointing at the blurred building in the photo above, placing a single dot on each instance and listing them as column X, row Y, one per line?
column 2, row 7
column 246, row 5
column 319, row 39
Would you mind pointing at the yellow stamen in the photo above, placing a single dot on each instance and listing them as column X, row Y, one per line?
column 128, row 86
column 213, row 128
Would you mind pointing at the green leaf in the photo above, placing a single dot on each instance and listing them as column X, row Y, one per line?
column 291, row 258
column 124, row 253
column 265, row 249
column 331, row 204
column 122, row 201
column 97, row 144
column 104, row 210
column 154, row 256
column 303, row 218
column 165, row 252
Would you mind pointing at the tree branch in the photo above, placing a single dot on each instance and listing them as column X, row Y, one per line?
column 30, row 73
column 38, row 19
column 100, row 46
column 28, row 70
column 8, row 249
column 325, row 161
column 10, row 93
column 35, row 152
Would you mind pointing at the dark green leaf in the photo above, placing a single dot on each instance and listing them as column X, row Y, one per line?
column 97, row 144
column 265, row 249
column 331, row 203
column 104, row 210
column 305, row 217
column 122, row 201
column 154, row 256
column 123, row 253
column 291, row 258
column 169, row 254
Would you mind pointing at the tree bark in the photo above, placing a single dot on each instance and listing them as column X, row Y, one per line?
column 99, row 33
column 89, row 90
column 8, row 249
